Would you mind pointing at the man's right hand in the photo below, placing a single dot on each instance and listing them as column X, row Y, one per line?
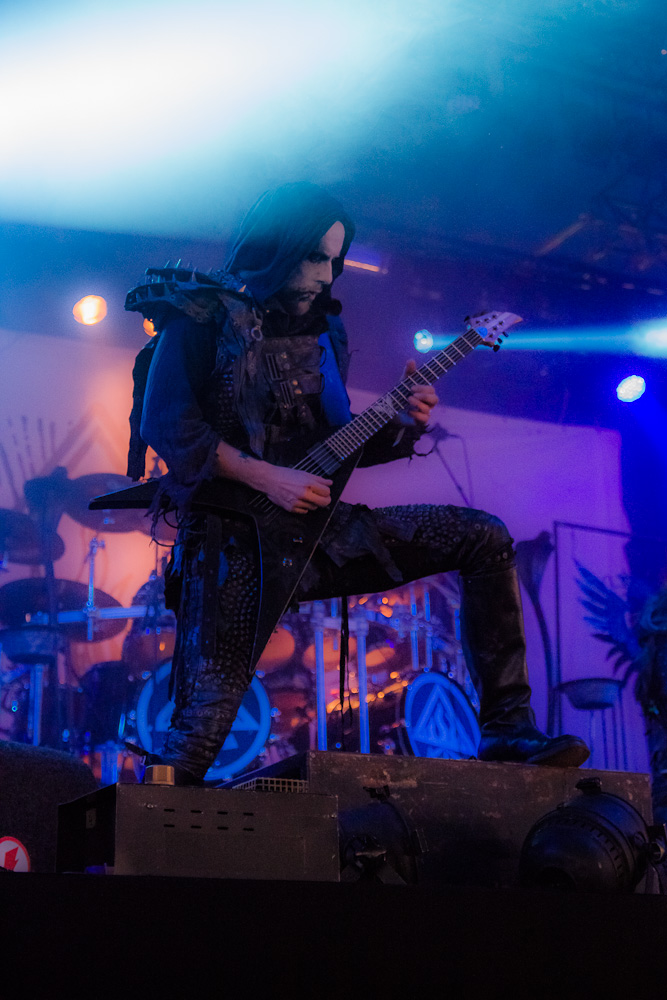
column 294, row 490
column 291, row 489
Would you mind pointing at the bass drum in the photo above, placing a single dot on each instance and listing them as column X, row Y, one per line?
column 438, row 719
column 245, row 742
column 426, row 714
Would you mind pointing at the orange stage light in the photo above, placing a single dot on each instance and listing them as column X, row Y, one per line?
column 149, row 328
column 90, row 310
column 361, row 266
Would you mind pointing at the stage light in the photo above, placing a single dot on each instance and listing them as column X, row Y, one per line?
column 631, row 388
column 90, row 310
column 64, row 93
column 652, row 341
column 361, row 266
column 423, row 341
column 595, row 843
column 642, row 339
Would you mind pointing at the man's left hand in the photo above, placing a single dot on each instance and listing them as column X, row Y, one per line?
column 423, row 397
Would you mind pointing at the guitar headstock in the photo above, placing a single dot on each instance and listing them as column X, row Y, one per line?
column 492, row 326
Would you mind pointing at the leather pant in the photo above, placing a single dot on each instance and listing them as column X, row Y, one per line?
column 421, row 540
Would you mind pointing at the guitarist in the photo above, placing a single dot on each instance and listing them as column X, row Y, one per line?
column 246, row 374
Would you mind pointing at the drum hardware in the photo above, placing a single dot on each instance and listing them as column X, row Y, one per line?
column 90, row 608
column 426, row 714
column 362, row 614
column 20, row 541
column 318, row 620
column 36, row 650
column 414, row 630
column 25, row 602
column 77, row 494
column 362, row 682
column 245, row 742
column 152, row 637
column 42, row 616
column 358, row 622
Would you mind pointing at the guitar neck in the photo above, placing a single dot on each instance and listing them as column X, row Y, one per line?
column 328, row 456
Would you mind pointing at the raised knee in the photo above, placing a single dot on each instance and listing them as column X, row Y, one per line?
column 492, row 545
column 498, row 535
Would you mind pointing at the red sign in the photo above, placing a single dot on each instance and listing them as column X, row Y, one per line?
column 13, row 855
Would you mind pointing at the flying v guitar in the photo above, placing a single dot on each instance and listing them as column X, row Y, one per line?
column 286, row 541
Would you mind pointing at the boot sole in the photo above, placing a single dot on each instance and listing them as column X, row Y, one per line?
column 569, row 755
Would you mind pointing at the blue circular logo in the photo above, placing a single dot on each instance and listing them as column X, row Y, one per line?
column 246, row 739
column 439, row 719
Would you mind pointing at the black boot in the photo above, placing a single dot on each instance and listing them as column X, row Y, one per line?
column 181, row 775
column 495, row 649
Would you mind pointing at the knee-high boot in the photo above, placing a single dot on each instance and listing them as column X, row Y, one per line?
column 495, row 649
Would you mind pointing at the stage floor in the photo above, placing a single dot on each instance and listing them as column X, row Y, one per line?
column 94, row 936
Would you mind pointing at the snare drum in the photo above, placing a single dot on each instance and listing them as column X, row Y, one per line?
column 248, row 736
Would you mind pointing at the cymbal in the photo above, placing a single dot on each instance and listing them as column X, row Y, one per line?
column 20, row 540
column 21, row 599
column 84, row 489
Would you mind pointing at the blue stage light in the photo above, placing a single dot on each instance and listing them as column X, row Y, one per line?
column 631, row 388
column 653, row 340
column 423, row 341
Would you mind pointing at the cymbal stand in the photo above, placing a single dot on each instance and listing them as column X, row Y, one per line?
column 414, row 631
column 360, row 628
column 320, row 682
column 428, row 642
column 48, row 514
column 90, row 609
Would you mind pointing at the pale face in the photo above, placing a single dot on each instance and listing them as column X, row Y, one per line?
column 313, row 274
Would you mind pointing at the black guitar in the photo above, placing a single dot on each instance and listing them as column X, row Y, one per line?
column 287, row 541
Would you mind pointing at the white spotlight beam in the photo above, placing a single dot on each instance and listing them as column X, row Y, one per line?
column 643, row 340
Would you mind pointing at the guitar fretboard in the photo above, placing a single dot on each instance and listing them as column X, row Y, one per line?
column 328, row 456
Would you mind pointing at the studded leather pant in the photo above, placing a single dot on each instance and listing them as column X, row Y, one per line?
column 420, row 539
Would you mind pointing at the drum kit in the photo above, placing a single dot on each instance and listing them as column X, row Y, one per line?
column 41, row 699
column 408, row 689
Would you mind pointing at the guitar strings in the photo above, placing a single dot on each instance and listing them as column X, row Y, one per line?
column 353, row 435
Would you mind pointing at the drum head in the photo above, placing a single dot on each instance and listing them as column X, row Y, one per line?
column 246, row 740
column 439, row 719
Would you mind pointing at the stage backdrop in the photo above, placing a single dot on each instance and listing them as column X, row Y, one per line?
column 66, row 402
